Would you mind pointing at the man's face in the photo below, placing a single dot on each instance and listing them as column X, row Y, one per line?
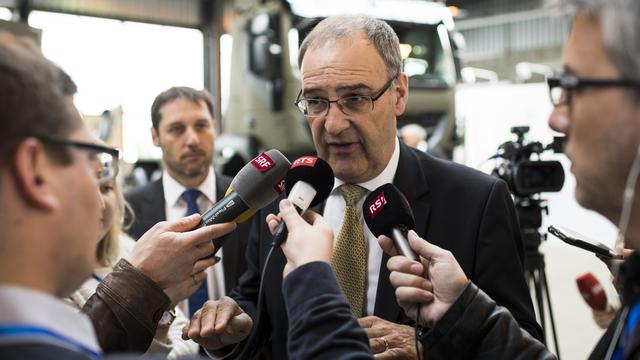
column 185, row 134
column 358, row 147
column 601, row 123
column 80, row 212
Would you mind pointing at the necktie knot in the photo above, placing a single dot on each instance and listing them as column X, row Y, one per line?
column 352, row 193
column 190, row 197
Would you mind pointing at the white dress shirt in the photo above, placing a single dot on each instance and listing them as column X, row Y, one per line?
column 334, row 211
column 31, row 316
column 176, row 208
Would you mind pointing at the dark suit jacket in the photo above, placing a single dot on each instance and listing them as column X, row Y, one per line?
column 455, row 207
column 148, row 207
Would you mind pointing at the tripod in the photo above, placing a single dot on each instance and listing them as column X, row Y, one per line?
column 530, row 216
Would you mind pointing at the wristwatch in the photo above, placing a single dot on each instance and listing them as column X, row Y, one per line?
column 167, row 318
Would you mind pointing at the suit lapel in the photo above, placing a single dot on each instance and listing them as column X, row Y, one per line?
column 229, row 261
column 411, row 180
column 155, row 210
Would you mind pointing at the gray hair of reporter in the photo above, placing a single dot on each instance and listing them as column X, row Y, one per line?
column 620, row 23
column 379, row 33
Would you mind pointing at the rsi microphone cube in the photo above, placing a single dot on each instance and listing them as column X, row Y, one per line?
column 387, row 212
column 592, row 291
column 313, row 171
column 386, row 208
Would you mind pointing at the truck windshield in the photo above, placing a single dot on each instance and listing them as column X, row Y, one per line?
column 426, row 53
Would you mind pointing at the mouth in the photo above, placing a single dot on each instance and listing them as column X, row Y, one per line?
column 342, row 147
column 192, row 156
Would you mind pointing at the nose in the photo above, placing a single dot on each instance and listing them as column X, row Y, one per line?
column 192, row 138
column 559, row 119
column 335, row 121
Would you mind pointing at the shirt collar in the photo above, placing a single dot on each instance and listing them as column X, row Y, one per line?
column 386, row 176
column 173, row 189
column 27, row 307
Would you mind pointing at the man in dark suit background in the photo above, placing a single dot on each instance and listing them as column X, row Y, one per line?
column 184, row 129
column 352, row 91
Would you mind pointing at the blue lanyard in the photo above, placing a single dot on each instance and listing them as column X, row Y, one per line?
column 27, row 331
column 93, row 275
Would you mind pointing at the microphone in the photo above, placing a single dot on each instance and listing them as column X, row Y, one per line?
column 308, row 182
column 256, row 185
column 592, row 291
column 387, row 212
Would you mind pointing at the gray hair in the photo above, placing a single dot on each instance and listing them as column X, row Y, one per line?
column 620, row 22
column 379, row 33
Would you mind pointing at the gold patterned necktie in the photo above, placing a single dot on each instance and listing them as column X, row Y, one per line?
column 349, row 260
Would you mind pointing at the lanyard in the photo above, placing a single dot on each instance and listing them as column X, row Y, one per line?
column 29, row 332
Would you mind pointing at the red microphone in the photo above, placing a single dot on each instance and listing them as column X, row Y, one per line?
column 592, row 291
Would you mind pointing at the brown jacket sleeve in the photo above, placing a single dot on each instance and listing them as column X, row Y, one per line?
column 125, row 309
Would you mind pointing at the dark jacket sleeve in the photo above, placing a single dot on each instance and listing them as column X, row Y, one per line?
column 500, row 258
column 125, row 309
column 321, row 325
column 476, row 328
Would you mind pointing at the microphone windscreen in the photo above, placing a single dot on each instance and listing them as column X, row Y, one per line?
column 261, row 180
column 315, row 172
column 386, row 208
column 592, row 291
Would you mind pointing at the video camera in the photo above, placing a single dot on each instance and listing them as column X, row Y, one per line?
column 524, row 176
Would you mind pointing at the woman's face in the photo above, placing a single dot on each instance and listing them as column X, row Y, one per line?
column 107, row 191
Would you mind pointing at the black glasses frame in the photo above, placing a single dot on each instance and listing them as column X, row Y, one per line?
column 373, row 98
column 569, row 83
column 81, row 145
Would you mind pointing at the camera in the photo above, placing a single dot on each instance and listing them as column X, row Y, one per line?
column 524, row 176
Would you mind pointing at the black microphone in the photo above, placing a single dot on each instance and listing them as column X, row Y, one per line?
column 387, row 212
column 308, row 182
column 255, row 186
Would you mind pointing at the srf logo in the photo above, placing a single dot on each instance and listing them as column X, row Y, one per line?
column 280, row 186
column 376, row 205
column 263, row 162
column 309, row 161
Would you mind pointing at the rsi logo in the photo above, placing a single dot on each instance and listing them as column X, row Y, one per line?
column 263, row 162
column 376, row 205
column 280, row 186
column 309, row 161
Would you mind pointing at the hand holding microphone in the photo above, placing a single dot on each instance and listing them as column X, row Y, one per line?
column 309, row 238
column 308, row 182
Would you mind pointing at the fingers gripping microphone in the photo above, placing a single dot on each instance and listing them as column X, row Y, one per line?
column 308, row 182
column 387, row 212
column 592, row 291
column 255, row 186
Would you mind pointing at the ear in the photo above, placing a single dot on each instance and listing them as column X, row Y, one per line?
column 155, row 136
column 34, row 172
column 401, row 90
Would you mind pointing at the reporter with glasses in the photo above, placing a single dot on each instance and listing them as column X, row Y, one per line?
column 597, row 105
column 50, row 215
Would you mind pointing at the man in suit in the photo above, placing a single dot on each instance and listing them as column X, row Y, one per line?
column 184, row 129
column 352, row 91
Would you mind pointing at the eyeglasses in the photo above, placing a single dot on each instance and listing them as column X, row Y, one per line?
column 349, row 105
column 562, row 86
column 105, row 158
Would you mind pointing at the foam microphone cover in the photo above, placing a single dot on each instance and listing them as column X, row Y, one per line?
column 386, row 208
column 315, row 172
column 592, row 291
column 259, row 182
